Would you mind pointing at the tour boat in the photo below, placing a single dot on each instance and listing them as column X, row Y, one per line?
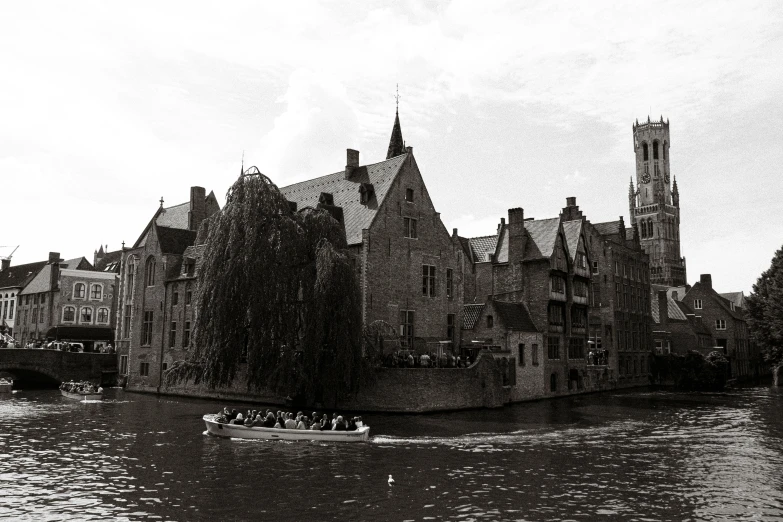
column 238, row 431
column 6, row 386
column 82, row 396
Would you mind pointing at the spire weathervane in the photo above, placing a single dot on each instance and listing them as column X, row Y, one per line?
column 397, row 97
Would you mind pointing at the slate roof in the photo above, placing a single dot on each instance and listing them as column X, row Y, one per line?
column 110, row 262
column 674, row 311
column 471, row 314
column 480, row 245
column 543, row 233
column 175, row 240
column 174, row 217
column 573, row 230
column 514, row 316
column 608, row 228
column 20, row 275
column 738, row 298
column 356, row 216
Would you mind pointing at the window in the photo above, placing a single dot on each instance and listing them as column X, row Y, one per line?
column 490, row 321
column 102, row 316
column 580, row 288
column 655, row 150
column 34, row 318
column 595, row 267
column 69, row 314
column 581, row 260
column 188, row 297
column 697, row 304
column 11, row 310
column 409, row 226
column 24, row 316
column 449, row 283
column 557, row 284
column 186, row 335
column 130, row 274
column 428, row 281
column 406, row 328
column 534, row 354
column 521, row 353
column 555, row 315
column 123, row 365
column 553, row 347
column 43, row 298
column 126, row 322
column 720, row 324
column 578, row 317
column 175, row 298
column 85, row 315
column 576, row 348
column 409, row 195
column 173, row 334
column 450, row 326
column 553, row 382
column 165, row 366
column 144, row 369
column 645, row 152
column 96, row 292
column 146, row 328
column 559, row 260
column 78, row 291
column 149, row 271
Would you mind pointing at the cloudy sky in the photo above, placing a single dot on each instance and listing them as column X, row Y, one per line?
column 107, row 107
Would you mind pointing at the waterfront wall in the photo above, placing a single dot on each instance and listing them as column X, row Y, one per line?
column 60, row 366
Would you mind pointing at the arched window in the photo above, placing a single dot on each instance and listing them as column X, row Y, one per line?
column 69, row 314
column 645, row 152
column 644, row 228
column 85, row 316
column 130, row 274
column 149, row 271
column 102, row 316
column 655, row 150
column 79, row 290
column 96, row 292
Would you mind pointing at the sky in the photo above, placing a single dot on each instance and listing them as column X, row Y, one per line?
column 106, row 107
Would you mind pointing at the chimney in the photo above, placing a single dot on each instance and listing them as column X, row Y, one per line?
column 663, row 310
column 7, row 263
column 517, row 237
column 622, row 228
column 454, row 232
column 198, row 207
column 501, row 225
column 351, row 162
column 54, row 257
column 706, row 280
column 571, row 202
column 409, row 150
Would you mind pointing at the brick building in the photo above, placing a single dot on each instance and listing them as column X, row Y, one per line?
column 680, row 330
column 654, row 204
column 727, row 324
column 153, row 291
column 12, row 280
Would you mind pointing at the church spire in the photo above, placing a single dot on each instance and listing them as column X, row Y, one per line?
column 396, row 143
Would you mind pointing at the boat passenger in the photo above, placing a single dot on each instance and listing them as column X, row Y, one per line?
column 316, row 425
column 249, row 421
column 339, row 425
column 240, row 419
column 269, row 422
column 359, row 422
column 290, row 423
column 351, row 424
column 326, row 425
column 302, row 424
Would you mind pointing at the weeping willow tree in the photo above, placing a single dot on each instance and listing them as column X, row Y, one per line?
column 277, row 291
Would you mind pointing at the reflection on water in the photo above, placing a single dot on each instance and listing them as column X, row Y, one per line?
column 620, row 456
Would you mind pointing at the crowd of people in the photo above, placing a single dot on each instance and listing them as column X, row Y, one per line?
column 81, row 387
column 409, row 359
column 289, row 421
column 64, row 346
column 598, row 357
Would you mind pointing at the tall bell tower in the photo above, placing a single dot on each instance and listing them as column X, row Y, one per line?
column 655, row 203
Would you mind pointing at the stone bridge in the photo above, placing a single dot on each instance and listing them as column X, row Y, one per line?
column 49, row 367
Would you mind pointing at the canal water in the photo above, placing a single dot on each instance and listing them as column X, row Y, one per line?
column 633, row 455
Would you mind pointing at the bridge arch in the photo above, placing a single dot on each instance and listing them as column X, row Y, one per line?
column 48, row 366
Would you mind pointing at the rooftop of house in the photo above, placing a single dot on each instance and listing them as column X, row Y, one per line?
column 109, row 262
column 18, row 276
column 346, row 193
column 471, row 314
column 542, row 235
column 514, row 316
column 674, row 312
column 175, row 240
column 572, row 230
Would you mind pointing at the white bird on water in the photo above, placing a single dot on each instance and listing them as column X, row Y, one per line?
column 391, row 480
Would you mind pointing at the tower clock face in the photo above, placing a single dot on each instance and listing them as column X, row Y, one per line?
column 646, row 177
column 666, row 177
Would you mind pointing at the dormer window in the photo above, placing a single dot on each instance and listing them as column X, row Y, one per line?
column 366, row 192
column 326, row 198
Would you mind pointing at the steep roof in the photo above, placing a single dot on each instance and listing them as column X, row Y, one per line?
column 718, row 298
column 543, row 237
column 175, row 240
column 481, row 245
column 174, row 217
column 572, row 229
column 396, row 143
column 471, row 314
column 514, row 316
column 110, row 262
column 20, row 275
column 345, row 193
column 738, row 298
column 608, row 228
column 674, row 312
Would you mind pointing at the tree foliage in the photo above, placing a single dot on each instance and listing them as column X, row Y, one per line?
column 765, row 311
column 277, row 292
column 692, row 371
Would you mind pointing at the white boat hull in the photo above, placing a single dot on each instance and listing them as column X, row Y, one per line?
column 82, row 396
column 243, row 432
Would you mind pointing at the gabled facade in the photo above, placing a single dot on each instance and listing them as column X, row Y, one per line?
column 678, row 330
column 12, row 280
column 728, row 327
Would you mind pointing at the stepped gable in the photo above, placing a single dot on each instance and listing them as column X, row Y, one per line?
column 20, row 275
column 515, row 316
column 346, row 193
column 470, row 315
column 572, row 229
column 543, row 236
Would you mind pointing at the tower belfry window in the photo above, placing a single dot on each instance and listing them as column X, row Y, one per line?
column 645, row 152
column 655, row 150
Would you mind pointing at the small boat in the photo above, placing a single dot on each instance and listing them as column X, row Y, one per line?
column 238, row 431
column 6, row 386
column 82, row 396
